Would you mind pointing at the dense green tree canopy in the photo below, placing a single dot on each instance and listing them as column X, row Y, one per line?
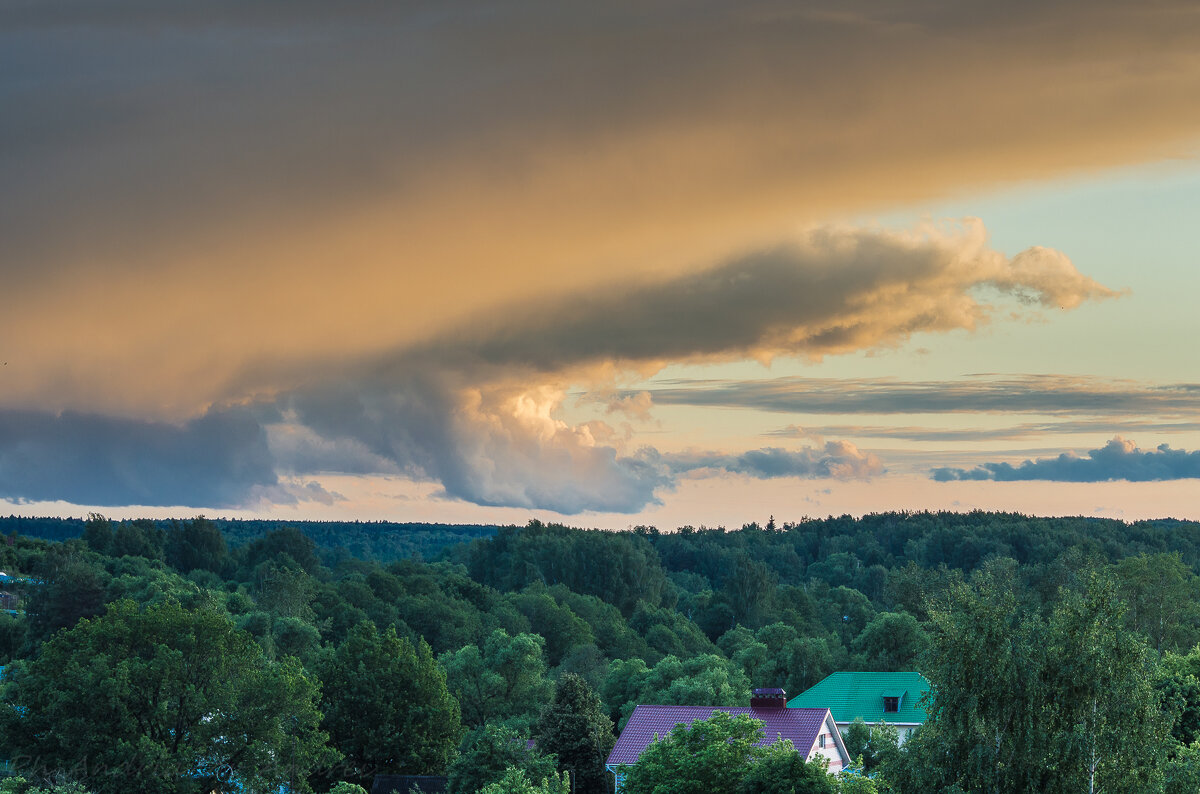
column 1018, row 631
column 160, row 700
column 505, row 680
column 387, row 708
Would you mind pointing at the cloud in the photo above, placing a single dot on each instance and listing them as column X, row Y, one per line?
column 299, row 181
column 477, row 409
column 501, row 445
column 1035, row 394
column 635, row 405
column 1023, row 430
column 216, row 460
column 838, row 459
column 1119, row 459
column 832, row 290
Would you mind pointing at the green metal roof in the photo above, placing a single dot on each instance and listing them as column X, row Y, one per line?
column 851, row 695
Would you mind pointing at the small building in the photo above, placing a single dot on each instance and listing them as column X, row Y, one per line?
column 812, row 731
column 893, row 698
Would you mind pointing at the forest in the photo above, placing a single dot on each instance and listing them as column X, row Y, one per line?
column 195, row 656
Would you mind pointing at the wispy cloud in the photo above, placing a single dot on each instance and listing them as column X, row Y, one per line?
column 1013, row 432
column 1028, row 394
column 836, row 459
column 1119, row 459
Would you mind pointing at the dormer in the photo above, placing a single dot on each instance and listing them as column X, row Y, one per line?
column 893, row 700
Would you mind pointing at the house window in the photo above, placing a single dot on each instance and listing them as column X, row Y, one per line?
column 891, row 705
column 821, row 740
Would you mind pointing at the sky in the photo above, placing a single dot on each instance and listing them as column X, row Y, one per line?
column 607, row 264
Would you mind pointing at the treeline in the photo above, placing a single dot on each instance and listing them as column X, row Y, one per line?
column 446, row 664
column 384, row 541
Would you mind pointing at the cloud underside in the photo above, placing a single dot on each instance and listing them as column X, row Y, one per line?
column 1119, row 459
column 218, row 460
column 477, row 410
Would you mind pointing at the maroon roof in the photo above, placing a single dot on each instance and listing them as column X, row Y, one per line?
column 800, row 725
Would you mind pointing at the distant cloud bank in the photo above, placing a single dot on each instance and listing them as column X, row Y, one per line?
column 1119, row 459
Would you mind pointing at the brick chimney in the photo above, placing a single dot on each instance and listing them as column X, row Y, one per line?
column 768, row 698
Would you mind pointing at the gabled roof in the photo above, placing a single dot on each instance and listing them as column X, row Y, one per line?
column 801, row 725
column 851, row 695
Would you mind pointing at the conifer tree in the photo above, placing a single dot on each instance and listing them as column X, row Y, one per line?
column 575, row 728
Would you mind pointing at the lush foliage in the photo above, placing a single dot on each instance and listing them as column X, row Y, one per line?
column 1049, row 643
column 162, row 699
column 386, row 706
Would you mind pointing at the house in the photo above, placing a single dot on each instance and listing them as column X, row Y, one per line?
column 893, row 698
column 812, row 731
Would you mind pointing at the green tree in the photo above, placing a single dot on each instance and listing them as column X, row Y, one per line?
column 1179, row 689
column 1101, row 693
column 286, row 547
column 560, row 627
column 1023, row 703
column 750, row 589
column 782, row 770
column 98, row 533
column 708, row 756
column 873, row 745
column 1163, row 596
column 489, row 752
column 286, row 592
column 892, row 641
column 71, row 588
column 139, row 538
column 18, row 785
column 504, row 680
column 160, row 701
column 515, row 782
column 860, row 784
column 387, row 709
column 575, row 728
column 1182, row 773
column 985, row 729
column 708, row 680
column 196, row 544
column 345, row 787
